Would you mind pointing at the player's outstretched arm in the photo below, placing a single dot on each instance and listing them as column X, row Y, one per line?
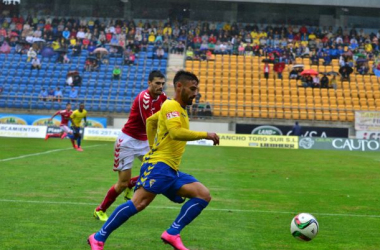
column 214, row 137
column 56, row 113
column 151, row 128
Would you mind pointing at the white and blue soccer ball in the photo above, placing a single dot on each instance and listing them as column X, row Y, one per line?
column 304, row 227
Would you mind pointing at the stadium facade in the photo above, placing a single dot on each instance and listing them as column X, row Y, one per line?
column 349, row 13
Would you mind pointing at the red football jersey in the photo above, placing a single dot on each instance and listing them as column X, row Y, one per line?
column 143, row 106
column 65, row 116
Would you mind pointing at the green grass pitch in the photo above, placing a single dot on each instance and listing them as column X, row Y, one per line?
column 47, row 198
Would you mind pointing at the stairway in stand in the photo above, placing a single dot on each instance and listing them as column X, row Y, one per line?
column 175, row 63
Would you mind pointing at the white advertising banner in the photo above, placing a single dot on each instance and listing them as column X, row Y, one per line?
column 367, row 120
column 368, row 135
column 22, row 131
column 101, row 134
column 202, row 142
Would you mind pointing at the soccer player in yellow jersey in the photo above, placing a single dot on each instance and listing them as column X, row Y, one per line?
column 168, row 131
column 76, row 120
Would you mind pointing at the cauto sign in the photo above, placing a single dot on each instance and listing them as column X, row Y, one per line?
column 352, row 144
column 339, row 144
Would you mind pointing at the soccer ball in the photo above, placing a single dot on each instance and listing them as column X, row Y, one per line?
column 304, row 227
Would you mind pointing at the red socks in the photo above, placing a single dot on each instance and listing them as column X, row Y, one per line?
column 108, row 200
column 133, row 181
column 112, row 195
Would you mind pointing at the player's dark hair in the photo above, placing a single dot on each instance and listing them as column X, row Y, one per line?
column 155, row 73
column 68, row 104
column 183, row 76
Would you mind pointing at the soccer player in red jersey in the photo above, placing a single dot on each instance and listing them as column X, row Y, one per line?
column 65, row 130
column 133, row 142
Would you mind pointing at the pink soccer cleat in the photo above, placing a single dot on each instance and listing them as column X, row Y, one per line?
column 63, row 135
column 94, row 244
column 79, row 149
column 173, row 240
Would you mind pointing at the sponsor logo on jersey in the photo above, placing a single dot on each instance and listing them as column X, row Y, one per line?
column 151, row 182
column 171, row 115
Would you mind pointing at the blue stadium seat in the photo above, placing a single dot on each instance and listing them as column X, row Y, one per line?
column 3, row 103
column 25, row 105
column 103, row 107
column 111, row 108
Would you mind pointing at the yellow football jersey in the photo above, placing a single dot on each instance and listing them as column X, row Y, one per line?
column 171, row 134
column 77, row 117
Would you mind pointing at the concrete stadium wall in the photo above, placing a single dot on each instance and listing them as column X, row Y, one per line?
column 229, row 127
column 217, row 127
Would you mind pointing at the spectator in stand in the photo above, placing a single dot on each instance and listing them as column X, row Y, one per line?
column 333, row 83
column 160, row 52
column 73, row 94
column 314, row 59
column 210, row 56
column 362, row 68
column 80, row 34
column 307, row 81
column 43, row 95
column 345, row 75
column 31, row 54
column 50, row 94
column 324, row 81
column 293, row 74
column 36, row 64
column 266, row 70
column 327, row 59
column 151, row 38
column 342, row 61
column 116, row 73
column 66, row 34
column 180, row 48
column 77, row 50
column 58, row 95
column 189, row 53
column 241, row 48
column 316, row 82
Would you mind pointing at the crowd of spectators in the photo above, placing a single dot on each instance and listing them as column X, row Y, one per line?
column 280, row 42
column 89, row 33
column 283, row 43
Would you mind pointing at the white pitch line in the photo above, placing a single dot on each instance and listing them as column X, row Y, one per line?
column 43, row 153
column 177, row 208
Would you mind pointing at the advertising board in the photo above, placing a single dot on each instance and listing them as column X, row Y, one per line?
column 22, row 131
column 307, row 131
column 367, row 120
column 339, row 144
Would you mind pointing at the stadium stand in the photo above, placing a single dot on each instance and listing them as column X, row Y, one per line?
column 22, row 85
column 235, row 83
column 99, row 90
column 235, row 86
column 228, row 58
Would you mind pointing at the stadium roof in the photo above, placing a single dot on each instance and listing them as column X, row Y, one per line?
column 339, row 3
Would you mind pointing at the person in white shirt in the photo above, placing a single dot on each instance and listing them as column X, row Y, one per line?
column 80, row 34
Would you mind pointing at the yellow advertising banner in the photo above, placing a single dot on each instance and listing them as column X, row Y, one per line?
column 259, row 141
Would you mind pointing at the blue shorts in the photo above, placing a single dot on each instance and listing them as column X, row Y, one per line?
column 159, row 178
column 76, row 130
